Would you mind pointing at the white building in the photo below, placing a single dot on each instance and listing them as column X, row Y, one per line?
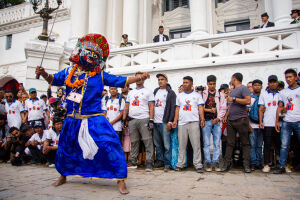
column 207, row 37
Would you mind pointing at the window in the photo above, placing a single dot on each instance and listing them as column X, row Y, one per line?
column 220, row 1
column 237, row 26
column 8, row 42
column 169, row 5
column 180, row 33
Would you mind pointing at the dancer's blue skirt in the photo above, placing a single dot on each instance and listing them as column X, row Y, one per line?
column 108, row 163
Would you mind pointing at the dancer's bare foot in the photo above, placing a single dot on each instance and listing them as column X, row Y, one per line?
column 61, row 180
column 122, row 187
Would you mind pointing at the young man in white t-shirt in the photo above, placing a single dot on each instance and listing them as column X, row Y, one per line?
column 36, row 142
column 256, row 135
column 268, row 103
column 35, row 108
column 140, row 110
column 51, row 142
column 189, row 112
column 289, row 102
column 164, row 111
column 114, row 105
column 14, row 111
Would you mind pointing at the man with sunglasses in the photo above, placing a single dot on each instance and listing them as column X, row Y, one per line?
column 14, row 110
column 35, row 108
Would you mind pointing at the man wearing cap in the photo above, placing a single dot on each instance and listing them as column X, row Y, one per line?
column 164, row 111
column 35, row 108
column 140, row 110
column 189, row 116
column 161, row 37
column 265, row 21
column 36, row 142
column 295, row 16
column 125, row 42
column 268, row 103
column 88, row 144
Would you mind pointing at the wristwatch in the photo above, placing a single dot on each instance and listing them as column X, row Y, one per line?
column 233, row 99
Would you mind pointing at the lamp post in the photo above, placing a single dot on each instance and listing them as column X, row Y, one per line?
column 45, row 15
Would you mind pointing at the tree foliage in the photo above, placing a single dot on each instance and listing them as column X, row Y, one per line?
column 8, row 3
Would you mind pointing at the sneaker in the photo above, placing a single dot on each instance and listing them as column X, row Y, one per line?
column 280, row 170
column 149, row 167
column 200, row 170
column 253, row 168
column 158, row 164
column 266, row 169
column 216, row 167
column 178, row 169
column 288, row 170
column 225, row 168
column 247, row 169
column 208, row 167
column 167, row 168
column 131, row 165
column 51, row 165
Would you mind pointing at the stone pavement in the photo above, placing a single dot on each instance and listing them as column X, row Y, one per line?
column 34, row 182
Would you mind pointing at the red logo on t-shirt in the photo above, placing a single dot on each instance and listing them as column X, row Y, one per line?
column 269, row 104
column 290, row 105
column 158, row 103
column 33, row 108
column 187, row 106
column 136, row 101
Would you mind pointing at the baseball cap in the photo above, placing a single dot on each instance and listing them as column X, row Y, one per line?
column 38, row 123
column 52, row 100
column 31, row 90
column 162, row 74
column 272, row 78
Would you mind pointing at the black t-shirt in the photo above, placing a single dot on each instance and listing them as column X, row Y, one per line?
column 209, row 104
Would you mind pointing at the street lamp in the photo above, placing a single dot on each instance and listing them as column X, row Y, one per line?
column 45, row 15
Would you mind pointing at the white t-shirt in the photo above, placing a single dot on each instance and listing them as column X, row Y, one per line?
column 13, row 111
column 36, row 137
column 138, row 100
column 270, row 101
column 51, row 135
column 160, row 104
column 113, row 109
column 188, row 103
column 291, row 100
column 252, row 124
column 35, row 109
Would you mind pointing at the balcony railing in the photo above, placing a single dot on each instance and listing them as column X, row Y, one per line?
column 253, row 45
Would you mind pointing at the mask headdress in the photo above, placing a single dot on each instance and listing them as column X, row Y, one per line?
column 91, row 51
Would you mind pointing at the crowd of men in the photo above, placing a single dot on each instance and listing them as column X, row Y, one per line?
column 257, row 128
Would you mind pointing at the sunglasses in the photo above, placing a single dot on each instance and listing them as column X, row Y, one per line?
column 9, row 96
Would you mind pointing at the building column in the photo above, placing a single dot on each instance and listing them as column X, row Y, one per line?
column 146, row 22
column 199, row 17
column 97, row 16
column 131, row 19
column 79, row 18
column 281, row 12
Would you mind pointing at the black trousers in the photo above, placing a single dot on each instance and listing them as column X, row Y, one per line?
column 271, row 137
column 37, row 154
column 50, row 156
column 240, row 126
column 4, row 154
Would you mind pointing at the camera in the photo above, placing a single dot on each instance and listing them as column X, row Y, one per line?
column 59, row 113
column 199, row 88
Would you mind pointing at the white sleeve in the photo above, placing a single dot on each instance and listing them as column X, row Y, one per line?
column 200, row 101
column 26, row 106
column 151, row 96
column 128, row 97
column 32, row 138
column 177, row 101
column 5, row 108
column 261, row 101
column 44, row 106
column 103, row 102
column 122, row 105
column 20, row 106
column 280, row 98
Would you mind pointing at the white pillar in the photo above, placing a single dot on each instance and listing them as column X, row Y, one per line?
column 131, row 19
column 79, row 18
column 97, row 16
column 114, row 27
column 268, row 9
column 199, row 18
column 147, row 22
column 281, row 11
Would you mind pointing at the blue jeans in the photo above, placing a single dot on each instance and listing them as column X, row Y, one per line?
column 285, row 136
column 256, row 142
column 215, row 130
column 162, row 141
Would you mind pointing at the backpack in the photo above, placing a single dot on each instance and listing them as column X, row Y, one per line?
column 253, row 113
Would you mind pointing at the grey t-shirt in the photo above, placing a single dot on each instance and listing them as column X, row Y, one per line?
column 237, row 110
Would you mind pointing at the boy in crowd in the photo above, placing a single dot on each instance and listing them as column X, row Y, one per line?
column 214, row 112
column 51, row 142
column 35, row 143
column 268, row 103
column 5, row 139
column 189, row 113
column 256, row 135
column 289, row 101
column 17, row 141
column 14, row 111
column 114, row 105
